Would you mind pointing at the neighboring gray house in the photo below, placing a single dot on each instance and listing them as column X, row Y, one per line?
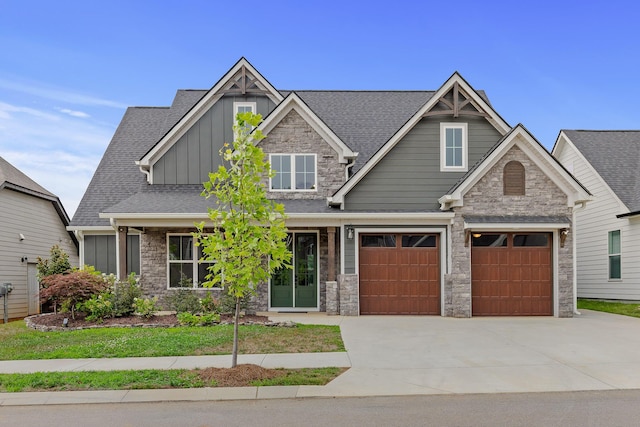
column 32, row 220
column 398, row 202
column 608, row 230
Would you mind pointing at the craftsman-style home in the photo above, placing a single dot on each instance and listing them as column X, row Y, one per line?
column 398, row 202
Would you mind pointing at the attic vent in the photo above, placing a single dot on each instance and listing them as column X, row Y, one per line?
column 513, row 179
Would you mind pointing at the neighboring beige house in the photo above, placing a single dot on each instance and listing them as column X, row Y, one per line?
column 32, row 220
column 608, row 230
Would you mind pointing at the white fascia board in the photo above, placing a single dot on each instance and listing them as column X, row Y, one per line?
column 211, row 97
column 90, row 229
column 293, row 102
column 494, row 119
column 293, row 219
column 517, row 226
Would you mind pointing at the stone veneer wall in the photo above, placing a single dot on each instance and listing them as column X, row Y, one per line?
column 542, row 198
column 293, row 135
column 153, row 266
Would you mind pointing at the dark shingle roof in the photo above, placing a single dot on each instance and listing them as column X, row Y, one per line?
column 186, row 199
column 615, row 155
column 365, row 120
column 9, row 174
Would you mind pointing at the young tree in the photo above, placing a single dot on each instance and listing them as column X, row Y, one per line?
column 248, row 240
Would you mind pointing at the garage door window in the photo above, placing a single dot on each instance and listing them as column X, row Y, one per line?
column 531, row 240
column 489, row 240
column 379, row 241
column 419, row 241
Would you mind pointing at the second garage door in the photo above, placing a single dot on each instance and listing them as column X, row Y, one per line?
column 511, row 274
column 399, row 274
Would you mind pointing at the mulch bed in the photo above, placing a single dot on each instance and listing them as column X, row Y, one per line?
column 240, row 376
column 51, row 321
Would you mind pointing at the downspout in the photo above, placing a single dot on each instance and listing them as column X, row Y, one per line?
column 575, row 257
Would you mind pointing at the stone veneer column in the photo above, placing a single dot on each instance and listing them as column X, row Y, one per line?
column 348, row 292
column 459, row 280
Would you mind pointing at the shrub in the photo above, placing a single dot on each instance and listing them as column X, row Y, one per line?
column 189, row 319
column 71, row 289
column 124, row 295
column 146, row 307
column 184, row 301
column 98, row 307
column 227, row 304
column 58, row 263
column 208, row 304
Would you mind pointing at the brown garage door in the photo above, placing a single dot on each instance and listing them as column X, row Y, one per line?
column 399, row 274
column 511, row 274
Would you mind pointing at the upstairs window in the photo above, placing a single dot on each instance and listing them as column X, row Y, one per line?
column 513, row 179
column 615, row 267
column 453, row 147
column 293, row 172
column 243, row 107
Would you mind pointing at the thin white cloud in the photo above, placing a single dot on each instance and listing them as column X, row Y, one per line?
column 72, row 113
column 59, row 94
column 55, row 149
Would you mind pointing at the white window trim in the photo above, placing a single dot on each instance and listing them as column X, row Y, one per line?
column 195, row 262
column 443, row 142
column 609, row 255
column 237, row 105
column 293, row 173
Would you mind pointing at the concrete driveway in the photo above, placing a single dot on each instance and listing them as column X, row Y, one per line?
column 393, row 355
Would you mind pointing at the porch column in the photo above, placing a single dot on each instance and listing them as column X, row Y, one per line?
column 331, row 255
column 122, row 252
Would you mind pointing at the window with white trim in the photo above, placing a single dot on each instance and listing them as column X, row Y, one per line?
column 243, row 107
column 615, row 259
column 453, row 147
column 184, row 269
column 293, row 172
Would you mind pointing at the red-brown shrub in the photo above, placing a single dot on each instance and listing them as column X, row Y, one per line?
column 70, row 289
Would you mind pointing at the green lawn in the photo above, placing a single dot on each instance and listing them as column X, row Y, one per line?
column 610, row 307
column 22, row 343
column 150, row 379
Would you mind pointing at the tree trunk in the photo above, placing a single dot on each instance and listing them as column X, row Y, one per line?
column 236, row 320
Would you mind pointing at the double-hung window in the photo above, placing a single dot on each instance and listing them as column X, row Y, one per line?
column 453, row 147
column 293, row 172
column 243, row 107
column 185, row 270
column 615, row 265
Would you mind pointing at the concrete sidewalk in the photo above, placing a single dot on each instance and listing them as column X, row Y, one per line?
column 405, row 355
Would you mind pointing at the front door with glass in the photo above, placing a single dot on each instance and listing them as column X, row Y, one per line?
column 298, row 287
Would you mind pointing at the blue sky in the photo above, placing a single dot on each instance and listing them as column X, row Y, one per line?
column 68, row 69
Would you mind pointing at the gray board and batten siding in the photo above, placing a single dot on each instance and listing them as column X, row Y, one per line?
column 196, row 153
column 100, row 252
column 409, row 177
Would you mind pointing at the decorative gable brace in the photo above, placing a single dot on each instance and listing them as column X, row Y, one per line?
column 243, row 83
column 456, row 97
column 456, row 102
column 242, row 78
